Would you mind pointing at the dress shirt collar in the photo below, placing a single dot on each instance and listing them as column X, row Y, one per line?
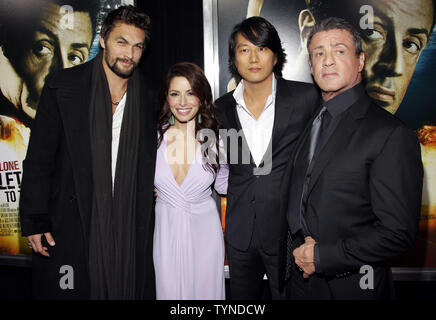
column 238, row 95
column 343, row 101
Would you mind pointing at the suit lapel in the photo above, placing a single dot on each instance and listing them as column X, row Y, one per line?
column 282, row 113
column 232, row 116
column 339, row 138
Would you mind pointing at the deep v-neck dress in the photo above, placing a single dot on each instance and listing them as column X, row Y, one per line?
column 188, row 249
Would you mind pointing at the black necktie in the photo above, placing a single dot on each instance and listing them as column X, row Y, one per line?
column 300, row 180
column 315, row 133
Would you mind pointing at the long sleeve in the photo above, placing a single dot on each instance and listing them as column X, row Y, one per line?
column 221, row 180
column 395, row 186
column 39, row 166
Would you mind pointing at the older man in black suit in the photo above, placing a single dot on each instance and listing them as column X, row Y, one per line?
column 353, row 192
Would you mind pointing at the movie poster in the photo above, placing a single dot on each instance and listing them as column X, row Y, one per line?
column 399, row 41
column 37, row 37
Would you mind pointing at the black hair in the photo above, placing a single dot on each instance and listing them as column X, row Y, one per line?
column 262, row 34
column 332, row 23
column 129, row 15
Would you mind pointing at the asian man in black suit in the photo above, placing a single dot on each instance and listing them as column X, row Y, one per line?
column 266, row 114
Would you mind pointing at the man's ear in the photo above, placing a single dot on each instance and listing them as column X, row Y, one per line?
column 310, row 64
column 102, row 44
column 306, row 22
column 361, row 61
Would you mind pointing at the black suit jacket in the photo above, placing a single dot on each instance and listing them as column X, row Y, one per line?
column 363, row 202
column 57, row 185
column 251, row 195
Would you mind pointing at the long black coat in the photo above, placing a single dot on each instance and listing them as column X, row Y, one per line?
column 56, row 190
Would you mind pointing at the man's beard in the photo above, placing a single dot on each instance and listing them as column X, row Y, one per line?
column 118, row 71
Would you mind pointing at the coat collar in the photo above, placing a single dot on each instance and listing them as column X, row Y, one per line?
column 283, row 111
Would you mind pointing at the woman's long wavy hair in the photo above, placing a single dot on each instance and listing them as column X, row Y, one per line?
column 201, row 89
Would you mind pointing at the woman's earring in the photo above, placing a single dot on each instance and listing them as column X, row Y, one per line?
column 200, row 120
column 171, row 120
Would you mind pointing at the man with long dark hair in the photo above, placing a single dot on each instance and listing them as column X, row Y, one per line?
column 266, row 114
column 86, row 200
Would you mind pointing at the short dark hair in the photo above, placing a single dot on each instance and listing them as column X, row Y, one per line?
column 262, row 34
column 129, row 15
column 332, row 23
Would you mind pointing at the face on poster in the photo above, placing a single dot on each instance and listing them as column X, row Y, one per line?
column 399, row 42
column 37, row 39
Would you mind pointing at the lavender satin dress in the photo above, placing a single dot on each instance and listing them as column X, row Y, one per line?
column 188, row 249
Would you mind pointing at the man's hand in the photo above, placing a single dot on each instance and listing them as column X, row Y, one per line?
column 304, row 257
column 35, row 241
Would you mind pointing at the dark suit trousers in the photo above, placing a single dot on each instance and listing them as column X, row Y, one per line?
column 247, row 269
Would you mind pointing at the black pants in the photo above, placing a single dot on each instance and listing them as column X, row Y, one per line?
column 247, row 269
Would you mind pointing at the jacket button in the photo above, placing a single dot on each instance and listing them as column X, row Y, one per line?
column 72, row 198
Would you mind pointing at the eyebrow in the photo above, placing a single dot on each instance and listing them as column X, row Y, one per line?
column 75, row 45
column 418, row 31
column 48, row 32
column 413, row 31
column 124, row 39
column 333, row 45
column 242, row 45
column 79, row 45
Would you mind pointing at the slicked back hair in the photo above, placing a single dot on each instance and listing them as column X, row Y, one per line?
column 333, row 23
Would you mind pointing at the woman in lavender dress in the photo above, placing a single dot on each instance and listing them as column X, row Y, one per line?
column 188, row 248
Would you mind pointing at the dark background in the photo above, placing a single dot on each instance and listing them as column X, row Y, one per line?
column 177, row 35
